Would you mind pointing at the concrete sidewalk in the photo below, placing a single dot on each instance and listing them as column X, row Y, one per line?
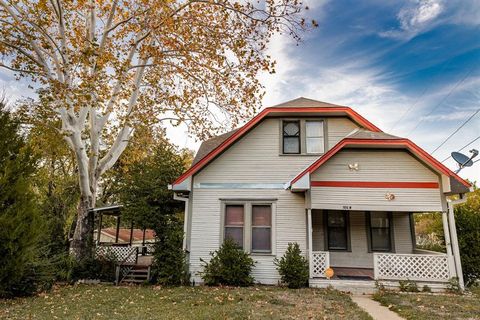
column 375, row 309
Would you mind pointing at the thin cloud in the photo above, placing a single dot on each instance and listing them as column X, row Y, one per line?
column 417, row 17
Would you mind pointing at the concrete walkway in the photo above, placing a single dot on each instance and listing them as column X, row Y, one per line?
column 375, row 309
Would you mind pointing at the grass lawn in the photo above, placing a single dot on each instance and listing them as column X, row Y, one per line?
column 109, row 302
column 427, row 306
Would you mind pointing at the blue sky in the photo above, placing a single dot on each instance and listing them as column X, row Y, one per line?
column 411, row 67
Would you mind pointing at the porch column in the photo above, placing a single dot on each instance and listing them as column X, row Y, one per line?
column 310, row 242
column 448, row 244
column 454, row 238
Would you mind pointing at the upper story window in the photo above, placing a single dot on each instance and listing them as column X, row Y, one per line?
column 314, row 140
column 303, row 136
column 291, row 137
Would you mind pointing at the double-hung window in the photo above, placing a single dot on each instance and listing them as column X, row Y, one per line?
column 314, row 140
column 291, row 137
column 234, row 223
column 337, row 230
column 261, row 228
column 249, row 224
column 380, row 231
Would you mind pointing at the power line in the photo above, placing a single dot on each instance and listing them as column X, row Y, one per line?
column 458, row 129
column 442, row 101
column 462, row 148
column 425, row 90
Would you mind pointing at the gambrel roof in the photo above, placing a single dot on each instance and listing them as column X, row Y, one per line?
column 369, row 134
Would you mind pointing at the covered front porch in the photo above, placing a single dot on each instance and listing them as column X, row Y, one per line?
column 370, row 248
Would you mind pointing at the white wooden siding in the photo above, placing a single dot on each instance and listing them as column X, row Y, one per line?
column 337, row 129
column 257, row 158
column 375, row 165
column 359, row 257
column 206, row 229
column 338, row 198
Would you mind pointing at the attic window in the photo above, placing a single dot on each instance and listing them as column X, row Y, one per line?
column 291, row 137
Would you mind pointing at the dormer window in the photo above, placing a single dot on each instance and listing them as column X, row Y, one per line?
column 291, row 137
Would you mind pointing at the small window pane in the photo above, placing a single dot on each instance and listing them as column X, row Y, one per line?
column 291, row 145
column 337, row 239
column 336, row 219
column 381, row 239
column 315, row 145
column 234, row 215
column 236, row 234
column 314, row 128
column 261, row 215
column 261, row 239
column 291, row 128
column 379, row 220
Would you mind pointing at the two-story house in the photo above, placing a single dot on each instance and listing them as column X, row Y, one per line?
column 323, row 176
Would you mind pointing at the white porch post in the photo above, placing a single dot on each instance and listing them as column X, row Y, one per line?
column 448, row 245
column 454, row 239
column 310, row 242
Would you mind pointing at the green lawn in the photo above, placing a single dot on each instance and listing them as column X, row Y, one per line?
column 109, row 302
column 427, row 306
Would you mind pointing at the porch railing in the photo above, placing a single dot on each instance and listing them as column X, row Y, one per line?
column 419, row 267
column 320, row 263
column 120, row 253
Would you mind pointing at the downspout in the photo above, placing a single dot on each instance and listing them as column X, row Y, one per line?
column 454, row 239
column 185, row 220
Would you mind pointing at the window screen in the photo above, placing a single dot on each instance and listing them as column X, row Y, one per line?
column 234, row 222
column 261, row 228
column 380, row 233
column 337, row 230
column 314, row 137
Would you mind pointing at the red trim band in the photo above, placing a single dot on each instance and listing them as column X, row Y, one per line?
column 224, row 145
column 375, row 184
column 405, row 143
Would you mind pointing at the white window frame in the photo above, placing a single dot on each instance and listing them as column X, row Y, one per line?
column 247, row 225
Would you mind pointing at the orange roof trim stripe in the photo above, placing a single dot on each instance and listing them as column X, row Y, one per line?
column 255, row 120
column 399, row 142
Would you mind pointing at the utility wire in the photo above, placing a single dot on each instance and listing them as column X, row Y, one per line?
column 425, row 90
column 442, row 101
column 458, row 129
column 462, row 148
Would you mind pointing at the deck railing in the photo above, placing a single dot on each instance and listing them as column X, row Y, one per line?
column 419, row 267
column 120, row 253
column 320, row 263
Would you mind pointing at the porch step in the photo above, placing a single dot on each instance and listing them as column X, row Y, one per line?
column 137, row 274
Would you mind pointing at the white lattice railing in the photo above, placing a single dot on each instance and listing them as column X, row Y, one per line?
column 420, row 267
column 320, row 263
column 120, row 253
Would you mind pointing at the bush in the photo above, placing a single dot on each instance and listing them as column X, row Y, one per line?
column 23, row 269
column 408, row 286
column 229, row 265
column 169, row 265
column 293, row 267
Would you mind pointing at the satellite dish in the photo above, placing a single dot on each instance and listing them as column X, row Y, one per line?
column 463, row 160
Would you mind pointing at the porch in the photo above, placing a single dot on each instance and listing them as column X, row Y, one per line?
column 364, row 249
column 131, row 248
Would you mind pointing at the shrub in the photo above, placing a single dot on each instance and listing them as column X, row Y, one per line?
column 426, row 289
column 169, row 265
column 293, row 267
column 408, row 286
column 453, row 285
column 229, row 265
column 23, row 269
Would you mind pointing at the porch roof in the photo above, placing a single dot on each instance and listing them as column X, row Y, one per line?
column 370, row 139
